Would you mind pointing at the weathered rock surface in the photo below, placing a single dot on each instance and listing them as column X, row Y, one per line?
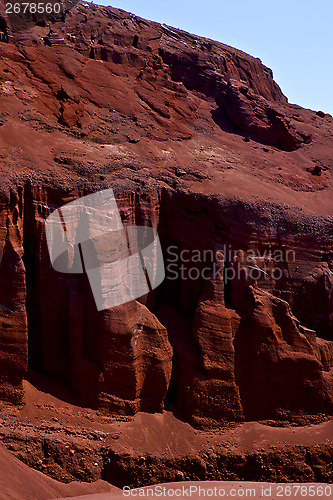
column 14, row 333
column 175, row 124
column 279, row 367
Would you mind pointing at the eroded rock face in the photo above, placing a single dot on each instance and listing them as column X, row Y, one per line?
column 258, row 118
column 219, row 350
column 13, row 331
column 209, row 392
column 75, row 86
column 279, row 366
column 175, row 124
column 250, row 356
column 119, row 359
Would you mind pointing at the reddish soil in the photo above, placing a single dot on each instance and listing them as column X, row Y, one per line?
column 69, row 443
column 18, row 481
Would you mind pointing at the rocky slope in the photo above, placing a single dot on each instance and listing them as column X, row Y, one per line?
column 197, row 140
column 58, row 437
column 18, row 481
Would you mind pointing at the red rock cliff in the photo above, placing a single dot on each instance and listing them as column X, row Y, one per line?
column 198, row 141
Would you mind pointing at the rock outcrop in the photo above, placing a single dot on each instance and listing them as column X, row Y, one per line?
column 208, row 391
column 175, row 124
column 13, row 333
column 259, row 119
column 279, row 367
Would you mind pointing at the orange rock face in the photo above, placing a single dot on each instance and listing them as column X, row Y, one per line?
column 198, row 141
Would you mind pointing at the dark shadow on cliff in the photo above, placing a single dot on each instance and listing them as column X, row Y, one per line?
column 220, row 118
column 54, row 387
column 253, row 388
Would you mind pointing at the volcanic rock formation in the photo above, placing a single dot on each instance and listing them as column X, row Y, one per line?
column 198, row 141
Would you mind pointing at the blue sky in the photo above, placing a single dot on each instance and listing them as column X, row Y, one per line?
column 294, row 38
